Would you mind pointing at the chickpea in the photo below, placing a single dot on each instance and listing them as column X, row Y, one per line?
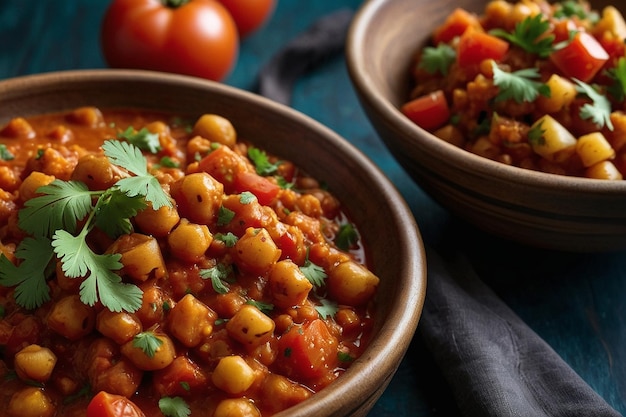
column 191, row 320
column 141, row 256
column 97, row 172
column 236, row 407
column 283, row 392
column 162, row 357
column 86, row 116
column 158, row 222
column 35, row 363
column 351, row 283
column 18, row 127
column 288, row 285
column 152, row 307
column 199, row 197
column 30, row 402
column 28, row 188
column 250, row 326
column 255, row 251
column 233, row 375
column 121, row 327
column 189, row 241
column 71, row 318
column 216, row 129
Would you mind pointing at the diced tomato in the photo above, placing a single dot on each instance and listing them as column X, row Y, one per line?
column 582, row 58
column 223, row 164
column 475, row 46
column 562, row 29
column 455, row 25
column 110, row 405
column 264, row 189
column 429, row 112
column 168, row 382
column 613, row 46
column 308, row 351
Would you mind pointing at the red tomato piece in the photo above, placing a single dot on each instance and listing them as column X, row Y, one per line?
column 455, row 25
column 249, row 15
column 428, row 112
column 582, row 58
column 223, row 164
column 104, row 404
column 264, row 189
column 475, row 46
column 198, row 38
column 308, row 351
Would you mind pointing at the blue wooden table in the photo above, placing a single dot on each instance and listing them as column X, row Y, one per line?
column 577, row 303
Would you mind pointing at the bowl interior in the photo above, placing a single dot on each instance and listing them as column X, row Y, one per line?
column 396, row 252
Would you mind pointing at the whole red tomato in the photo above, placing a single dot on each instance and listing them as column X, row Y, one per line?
column 249, row 15
column 192, row 37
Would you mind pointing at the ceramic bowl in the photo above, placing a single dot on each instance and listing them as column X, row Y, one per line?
column 532, row 208
column 376, row 208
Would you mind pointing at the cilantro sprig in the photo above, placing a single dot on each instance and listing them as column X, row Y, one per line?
column 530, row 35
column 51, row 219
column 174, row 407
column 148, row 342
column 313, row 272
column 143, row 139
column 437, row 59
column 5, row 154
column 599, row 110
column 261, row 162
column 518, row 85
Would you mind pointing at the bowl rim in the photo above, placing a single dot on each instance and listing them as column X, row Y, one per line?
column 366, row 86
column 391, row 343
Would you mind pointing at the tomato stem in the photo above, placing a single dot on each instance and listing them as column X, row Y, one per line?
column 174, row 3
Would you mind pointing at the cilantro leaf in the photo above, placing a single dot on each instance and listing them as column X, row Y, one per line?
column 224, row 216
column 599, row 111
column 62, row 204
column 114, row 210
column 143, row 139
column 148, row 342
column 219, row 277
column 29, row 278
column 618, row 74
column 535, row 135
column 530, row 35
column 101, row 283
column 5, row 154
column 174, row 407
column 229, row 239
column 130, row 158
column 246, row 197
column 346, row 236
column 261, row 162
column 518, row 85
column 266, row 308
column 314, row 273
column 327, row 308
column 437, row 59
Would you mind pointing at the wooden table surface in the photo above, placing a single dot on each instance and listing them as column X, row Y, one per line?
column 577, row 303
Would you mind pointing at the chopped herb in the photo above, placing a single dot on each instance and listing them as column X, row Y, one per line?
column 229, row 239
column 219, row 277
column 618, row 74
column 283, row 183
column 287, row 352
column 185, row 385
column 535, row 135
column 261, row 162
column 570, row 8
column 224, row 216
column 314, row 273
column 530, row 35
column 246, row 197
column 174, row 407
column 168, row 162
column 148, row 342
column 143, row 139
column 264, row 307
column 327, row 308
column 599, row 111
column 437, row 59
column 344, row 357
column 5, row 154
column 346, row 237
column 518, row 85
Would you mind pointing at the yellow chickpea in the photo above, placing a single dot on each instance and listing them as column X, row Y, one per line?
column 233, row 375
column 141, row 256
column 236, row 407
column 28, row 187
column 250, row 326
column 35, row 363
column 255, row 251
column 71, row 318
column 351, row 283
column 97, row 172
column 162, row 356
column 158, row 222
column 86, row 116
column 30, row 402
column 199, row 197
column 121, row 327
column 216, row 129
column 190, row 321
column 288, row 285
column 189, row 241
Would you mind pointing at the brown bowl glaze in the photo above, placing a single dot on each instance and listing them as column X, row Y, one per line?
column 386, row 223
column 533, row 208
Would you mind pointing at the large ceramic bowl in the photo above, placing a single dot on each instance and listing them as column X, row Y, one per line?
column 538, row 209
column 387, row 226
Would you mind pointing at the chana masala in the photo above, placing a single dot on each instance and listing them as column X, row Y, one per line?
column 156, row 266
column 532, row 84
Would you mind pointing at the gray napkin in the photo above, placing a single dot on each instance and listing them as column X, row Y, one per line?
column 493, row 362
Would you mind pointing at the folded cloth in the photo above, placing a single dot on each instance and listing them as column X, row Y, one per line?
column 494, row 363
column 320, row 42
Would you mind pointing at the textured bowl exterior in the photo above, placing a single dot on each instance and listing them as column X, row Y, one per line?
column 537, row 209
column 395, row 247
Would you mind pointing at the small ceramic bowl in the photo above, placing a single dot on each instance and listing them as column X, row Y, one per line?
column 376, row 208
column 533, row 208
